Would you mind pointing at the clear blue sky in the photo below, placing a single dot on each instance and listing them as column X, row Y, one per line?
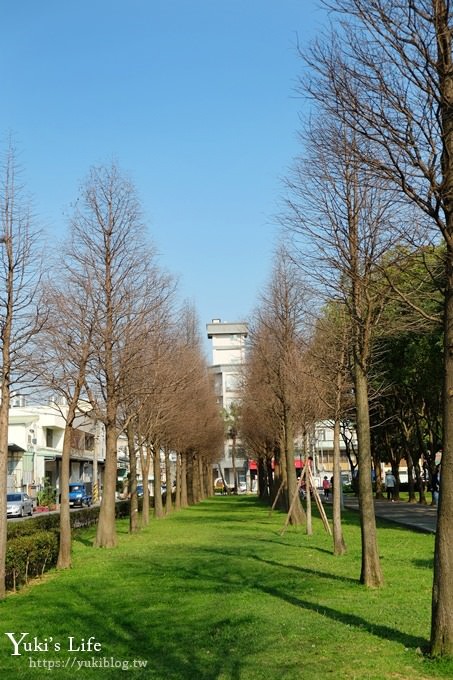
column 195, row 101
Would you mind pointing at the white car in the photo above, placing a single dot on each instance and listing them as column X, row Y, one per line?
column 18, row 504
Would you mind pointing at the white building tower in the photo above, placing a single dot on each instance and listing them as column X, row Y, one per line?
column 228, row 358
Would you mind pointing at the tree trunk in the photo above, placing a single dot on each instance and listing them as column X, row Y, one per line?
column 308, row 505
column 339, row 546
column 410, row 477
column 396, row 474
column 442, row 599
column 168, row 484
column 297, row 513
column 4, row 412
column 379, row 482
column 202, row 469
column 158, row 506
column 263, row 487
column 189, row 476
column 5, row 389
column 145, row 461
column 106, row 529
column 195, row 479
column 203, row 478
column 278, row 477
column 184, row 483
column 371, row 574
column 64, row 553
column 420, row 472
column 133, row 513
column 208, row 478
column 270, row 475
column 420, row 483
column 233, row 462
column 178, row 482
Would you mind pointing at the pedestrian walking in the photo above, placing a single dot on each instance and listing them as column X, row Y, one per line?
column 390, row 484
column 435, row 485
column 326, row 487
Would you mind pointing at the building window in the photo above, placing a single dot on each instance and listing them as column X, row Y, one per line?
column 49, row 438
column 12, row 465
column 231, row 382
column 89, row 442
column 321, row 435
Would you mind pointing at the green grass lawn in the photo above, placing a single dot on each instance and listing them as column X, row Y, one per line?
column 215, row 592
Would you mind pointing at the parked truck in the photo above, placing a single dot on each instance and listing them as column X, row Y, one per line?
column 80, row 494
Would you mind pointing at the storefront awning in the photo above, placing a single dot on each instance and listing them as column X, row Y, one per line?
column 298, row 464
column 15, row 448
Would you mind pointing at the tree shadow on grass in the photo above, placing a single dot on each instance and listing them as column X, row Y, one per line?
column 80, row 535
column 259, row 584
column 384, row 632
column 424, row 564
column 211, row 519
column 178, row 643
column 308, row 572
column 82, row 539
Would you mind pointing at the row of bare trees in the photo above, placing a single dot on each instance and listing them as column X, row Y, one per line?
column 297, row 373
column 273, row 403
column 386, row 77
column 103, row 330
column 373, row 186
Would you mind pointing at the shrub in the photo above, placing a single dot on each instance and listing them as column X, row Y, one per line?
column 48, row 495
column 85, row 517
column 42, row 522
column 29, row 556
column 33, row 543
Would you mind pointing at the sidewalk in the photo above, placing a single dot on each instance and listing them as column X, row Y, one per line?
column 413, row 515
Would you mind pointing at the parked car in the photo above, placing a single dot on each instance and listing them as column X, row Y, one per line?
column 18, row 504
column 80, row 494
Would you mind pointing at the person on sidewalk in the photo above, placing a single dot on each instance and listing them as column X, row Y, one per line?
column 326, row 487
column 390, row 484
column 435, row 485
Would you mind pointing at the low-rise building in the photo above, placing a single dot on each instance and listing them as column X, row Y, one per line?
column 321, row 448
column 35, row 446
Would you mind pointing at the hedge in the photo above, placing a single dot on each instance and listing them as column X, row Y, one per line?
column 30, row 556
column 33, row 544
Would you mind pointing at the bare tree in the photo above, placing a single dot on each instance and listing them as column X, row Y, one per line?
column 341, row 221
column 195, row 429
column 160, row 381
column 259, row 420
column 138, row 397
column 20, row 318
column 276, row 339
column 328, row 351
column 124, row 285
column 179, row 412
column 389, row 70
column 65, row 347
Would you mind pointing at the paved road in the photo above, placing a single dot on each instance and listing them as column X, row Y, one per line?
column 413, row 515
